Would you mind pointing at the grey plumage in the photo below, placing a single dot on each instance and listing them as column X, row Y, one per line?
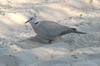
column 49, row 30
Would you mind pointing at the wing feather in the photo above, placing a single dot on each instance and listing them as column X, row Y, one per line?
column 52, row 29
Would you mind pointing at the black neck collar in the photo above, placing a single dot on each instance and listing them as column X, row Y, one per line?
column 36, row 22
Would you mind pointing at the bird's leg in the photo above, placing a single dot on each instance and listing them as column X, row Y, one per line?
column 50, row 41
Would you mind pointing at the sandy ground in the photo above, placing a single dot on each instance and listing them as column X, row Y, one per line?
column 19, row 45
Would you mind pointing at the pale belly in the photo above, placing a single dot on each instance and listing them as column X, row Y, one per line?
column 43, row 35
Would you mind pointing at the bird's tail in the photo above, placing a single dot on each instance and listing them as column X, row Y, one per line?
column 79, row 32
column 74, row 30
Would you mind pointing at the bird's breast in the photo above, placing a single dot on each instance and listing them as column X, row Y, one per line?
column 42, row 33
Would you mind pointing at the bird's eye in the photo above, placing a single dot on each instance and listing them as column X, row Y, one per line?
column 30, row 18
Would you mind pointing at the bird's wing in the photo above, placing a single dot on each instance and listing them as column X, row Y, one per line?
column 52, row 29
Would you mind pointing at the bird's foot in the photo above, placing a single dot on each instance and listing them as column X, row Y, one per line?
column 50, row 41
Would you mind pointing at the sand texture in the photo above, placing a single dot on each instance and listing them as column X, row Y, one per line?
column 19, row 45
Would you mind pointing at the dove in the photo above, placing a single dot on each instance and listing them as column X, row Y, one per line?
column 50, row 30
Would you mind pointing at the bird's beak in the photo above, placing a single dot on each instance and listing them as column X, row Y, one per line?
column 27, row 21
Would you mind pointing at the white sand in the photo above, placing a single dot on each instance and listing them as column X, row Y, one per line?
column 20, row 47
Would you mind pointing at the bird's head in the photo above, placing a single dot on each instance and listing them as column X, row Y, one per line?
column 32, row 20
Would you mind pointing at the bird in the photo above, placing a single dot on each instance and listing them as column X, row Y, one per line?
column 50, row 30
